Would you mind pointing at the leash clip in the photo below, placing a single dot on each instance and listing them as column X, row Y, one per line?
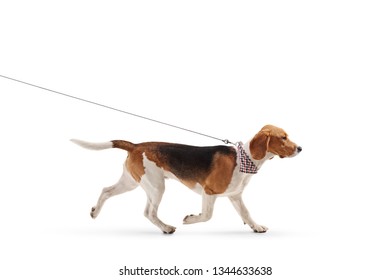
column 226, row 141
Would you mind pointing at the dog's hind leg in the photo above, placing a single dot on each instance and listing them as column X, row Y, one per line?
column 154, row 187
column 126, row 183
column 153, row 183
column 151, row 213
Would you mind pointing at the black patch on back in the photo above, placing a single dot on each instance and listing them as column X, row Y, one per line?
column 188, row 162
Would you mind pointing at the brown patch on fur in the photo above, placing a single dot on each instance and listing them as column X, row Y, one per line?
column 282, row 147
column 189, row 183
column 271, row 139
column 124, row 145
column 221, row 174
column 134, row 164
column 134, row 161
column 151, row 152
column 259, row 144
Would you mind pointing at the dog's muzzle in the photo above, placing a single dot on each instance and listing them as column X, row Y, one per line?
column 296, row 152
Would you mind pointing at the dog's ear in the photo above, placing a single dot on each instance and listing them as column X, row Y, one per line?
column 259, row 144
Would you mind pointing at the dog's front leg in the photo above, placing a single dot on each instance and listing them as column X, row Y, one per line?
column 244, row 213
column 207, row 210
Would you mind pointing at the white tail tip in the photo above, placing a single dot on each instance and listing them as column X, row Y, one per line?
column 92, row 146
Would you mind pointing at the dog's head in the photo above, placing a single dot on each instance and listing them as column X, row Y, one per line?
column 274, row 140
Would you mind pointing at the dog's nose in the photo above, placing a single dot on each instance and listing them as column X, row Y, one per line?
column 299, row 149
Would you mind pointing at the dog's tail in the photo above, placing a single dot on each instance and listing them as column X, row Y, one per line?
column 120, row 144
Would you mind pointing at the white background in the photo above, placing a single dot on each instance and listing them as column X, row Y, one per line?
column 318, row 69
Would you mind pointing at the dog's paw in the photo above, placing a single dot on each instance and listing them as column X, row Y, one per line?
column 259, row 228
column 169, row 229
column 93, row 213
column 190, row 219
column 187, row 218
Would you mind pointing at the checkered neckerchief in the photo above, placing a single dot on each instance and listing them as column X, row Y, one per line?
column 246, row 164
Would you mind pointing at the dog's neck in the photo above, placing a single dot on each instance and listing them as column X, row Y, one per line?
column 260, row 162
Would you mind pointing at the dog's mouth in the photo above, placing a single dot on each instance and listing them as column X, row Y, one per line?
column 296, row 151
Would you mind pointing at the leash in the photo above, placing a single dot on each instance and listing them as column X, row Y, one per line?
column 226, row 141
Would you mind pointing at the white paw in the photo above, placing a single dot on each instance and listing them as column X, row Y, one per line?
column 94, row 213
column 190, row 219
column 259, row 228
column 168, row 229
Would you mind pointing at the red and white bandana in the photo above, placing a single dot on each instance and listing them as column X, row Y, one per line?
column 246, row 164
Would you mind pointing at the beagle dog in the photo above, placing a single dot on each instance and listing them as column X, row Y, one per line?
column 209, row 171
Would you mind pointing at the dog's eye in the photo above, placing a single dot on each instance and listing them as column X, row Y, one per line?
column 284, row 138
